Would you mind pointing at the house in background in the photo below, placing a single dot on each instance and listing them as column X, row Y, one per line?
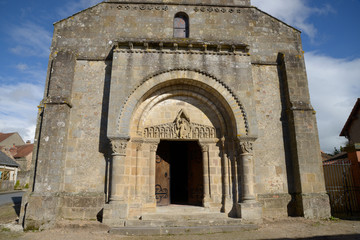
column 12, row 145
column 342, row 171
column 351, row 129
column 8, row 172
column 8, row 140
column 23, row 155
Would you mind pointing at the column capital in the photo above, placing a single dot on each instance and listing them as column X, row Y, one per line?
column 246, row 144
column 154, row 143
column 204, row 147
column 119, row 146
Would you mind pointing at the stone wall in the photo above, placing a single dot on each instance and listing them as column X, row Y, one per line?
column 116, row 69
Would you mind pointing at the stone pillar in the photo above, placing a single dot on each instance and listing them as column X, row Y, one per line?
column 118, row 188
column 225, row 164
column 249, row 209
column 116, row 212
column 138, row 146
column 304, row 166
column 207, row 193
column 48, row 164
column 152, row 163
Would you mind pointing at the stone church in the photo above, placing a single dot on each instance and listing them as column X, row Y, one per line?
column 166, row 104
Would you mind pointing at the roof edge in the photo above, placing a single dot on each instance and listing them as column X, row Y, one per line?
column 78, row 13
column 169, row 3
column 277, row 19
column 350, row 118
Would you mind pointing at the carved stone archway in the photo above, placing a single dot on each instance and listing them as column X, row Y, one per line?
column 187, row 106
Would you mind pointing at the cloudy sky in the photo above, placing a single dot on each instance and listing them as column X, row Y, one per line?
column 331, row 41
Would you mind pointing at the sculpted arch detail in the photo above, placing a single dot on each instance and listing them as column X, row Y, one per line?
column 189, row 77
column 180, row 128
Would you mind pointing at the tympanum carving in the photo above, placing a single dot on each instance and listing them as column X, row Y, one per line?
column 180, row 128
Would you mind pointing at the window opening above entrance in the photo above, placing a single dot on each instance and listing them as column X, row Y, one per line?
column 181, row 25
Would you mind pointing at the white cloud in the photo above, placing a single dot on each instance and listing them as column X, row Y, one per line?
column 31, row 73
column 294, row 12
column 333, row 82
column 22, row 66
column 30, row 40
column 75, row 6
column 334, row 88
column 18, row 108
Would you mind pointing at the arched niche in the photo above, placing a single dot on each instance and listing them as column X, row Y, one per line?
column 202, row 97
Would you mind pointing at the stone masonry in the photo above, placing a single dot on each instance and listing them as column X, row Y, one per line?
column 122, row 84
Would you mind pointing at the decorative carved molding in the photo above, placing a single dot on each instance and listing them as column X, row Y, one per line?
column 119, row 146
column 187, row 46
column 143, row 7
column 201, row 9
column 217, row 9
column 180, row 128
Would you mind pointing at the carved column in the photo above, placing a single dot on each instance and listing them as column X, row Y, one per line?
column 205, row 151
column 152, row 163
column 138, row 146
column 249, row 208
column 118, row 191
column 226, row 169
column 247, row 166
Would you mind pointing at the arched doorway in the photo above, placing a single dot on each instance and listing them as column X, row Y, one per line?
column 179, row 173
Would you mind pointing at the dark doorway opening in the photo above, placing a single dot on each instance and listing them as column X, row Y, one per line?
column 179, row 173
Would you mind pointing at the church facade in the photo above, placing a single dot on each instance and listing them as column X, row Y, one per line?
column 164, row 103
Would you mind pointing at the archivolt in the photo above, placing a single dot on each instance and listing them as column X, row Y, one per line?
column 188, row 77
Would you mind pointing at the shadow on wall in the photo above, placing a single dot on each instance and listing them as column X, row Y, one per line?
column 17, row 204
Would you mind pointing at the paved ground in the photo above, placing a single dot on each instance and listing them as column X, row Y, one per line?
column 290, row 228
column 13, row 197
column 287, row 228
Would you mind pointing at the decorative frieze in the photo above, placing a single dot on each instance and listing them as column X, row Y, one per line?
column 180, row 128
column 172, row 46
column 164, row 8
column 143, row 7
column 217, row 9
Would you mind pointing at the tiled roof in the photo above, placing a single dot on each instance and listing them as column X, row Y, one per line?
column 4, row 136
column 5, row 160
column 339, row 158
column 352, row 117
column 23, row 150
column 325, row 156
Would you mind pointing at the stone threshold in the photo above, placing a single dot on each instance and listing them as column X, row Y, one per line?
column 181, row 230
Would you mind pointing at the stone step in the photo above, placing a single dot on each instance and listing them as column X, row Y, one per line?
column 143, row 231
column 184, row 223
column 184, row 216
column 181, row 209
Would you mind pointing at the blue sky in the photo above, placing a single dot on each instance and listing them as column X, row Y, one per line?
column 331, row 41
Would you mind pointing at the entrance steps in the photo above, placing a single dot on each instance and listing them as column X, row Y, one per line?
column 177, row 219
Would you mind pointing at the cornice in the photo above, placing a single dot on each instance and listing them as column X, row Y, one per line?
column 181, row 46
